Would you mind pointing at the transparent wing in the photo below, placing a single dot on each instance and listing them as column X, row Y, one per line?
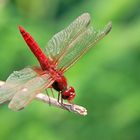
column 28, row 91
column 61, row 42
column 13, row 83
column 89, row 38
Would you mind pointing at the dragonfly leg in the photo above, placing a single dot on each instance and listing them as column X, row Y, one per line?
column 52, row 92
column 63, row 105
column 72, row 104
column 48, row 97
column 58, row 97
column 61, row 102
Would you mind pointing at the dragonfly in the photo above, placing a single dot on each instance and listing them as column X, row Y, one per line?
column 61, row 52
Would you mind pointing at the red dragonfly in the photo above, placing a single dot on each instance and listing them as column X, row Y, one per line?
column 61, row 52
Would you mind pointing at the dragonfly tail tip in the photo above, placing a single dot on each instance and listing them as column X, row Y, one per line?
column 21, row 28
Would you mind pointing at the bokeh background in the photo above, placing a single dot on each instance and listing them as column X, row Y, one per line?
column 106, row 79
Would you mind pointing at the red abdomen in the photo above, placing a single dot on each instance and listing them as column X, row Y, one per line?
column 44, row 62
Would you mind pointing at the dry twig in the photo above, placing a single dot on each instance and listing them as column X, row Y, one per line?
column 66, row 106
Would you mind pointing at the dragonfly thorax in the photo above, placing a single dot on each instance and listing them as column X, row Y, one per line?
column 60, row 85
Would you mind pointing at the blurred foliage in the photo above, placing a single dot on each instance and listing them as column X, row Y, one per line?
column 109, row 77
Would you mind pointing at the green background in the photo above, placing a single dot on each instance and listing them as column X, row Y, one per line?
column 106, row 79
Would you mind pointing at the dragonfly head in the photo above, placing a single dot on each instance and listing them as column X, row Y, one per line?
column 68, row 94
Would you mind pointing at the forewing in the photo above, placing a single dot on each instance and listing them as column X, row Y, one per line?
column 28, row 91
column 60, row 42
column 13, row 83
column 82, row 44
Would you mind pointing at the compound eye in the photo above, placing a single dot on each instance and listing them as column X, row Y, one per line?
column 71, row 97
column 71, row 89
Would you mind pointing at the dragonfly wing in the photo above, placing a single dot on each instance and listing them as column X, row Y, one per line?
column 89, row 38
column 6, row 92
column 67, row 46
column 60, row 42
column 28, row 91
column 13, row 83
